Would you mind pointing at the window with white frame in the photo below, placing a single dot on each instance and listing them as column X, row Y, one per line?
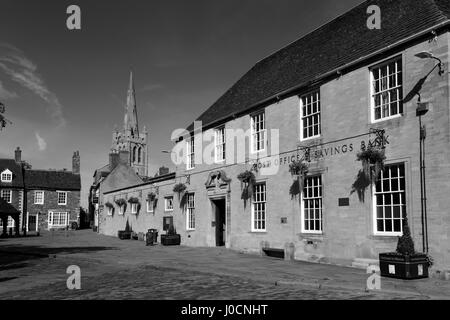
column 310, row 115
column 38, row 197
column 62, row 197
column 220, row 144
column 58, row 219
column 7, row 195
column 109, row 210
column 134, row 208
column 386, row 90
column 190, row 211
column 11, row 223
column 122, row 209
column 311, row 205
column 258, row 131
column 168, row 203
column 259, row 208
column 390, row 200
column 190, row 164
column 6, row 176
column 150, row 205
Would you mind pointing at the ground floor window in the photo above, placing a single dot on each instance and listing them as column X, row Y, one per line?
column 311, row 205
column 150, row 206
column 190, row 211
column 58, row 219
column 259, row 208
column 134, row 208
column 10, row 222
column 390, row 200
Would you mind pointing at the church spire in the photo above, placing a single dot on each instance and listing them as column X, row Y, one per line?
column 131, row 121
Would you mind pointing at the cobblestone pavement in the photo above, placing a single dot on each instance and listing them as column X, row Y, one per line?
column 35, row 268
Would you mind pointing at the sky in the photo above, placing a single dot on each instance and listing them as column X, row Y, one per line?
column 65, row 90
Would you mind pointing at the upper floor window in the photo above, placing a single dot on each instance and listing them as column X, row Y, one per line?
column 190, row 154
column 190, row 212
column 386, row 90
column 7, row 195
column 150, row 205
column 390, row 201
column 259, row 208
column 62, row 197
column 168, row 203
column 220, row 144
column 311, row 206
column 310, row 115
column 134, row 208
column 39, row 197
column 258, row 132
column 6, row 176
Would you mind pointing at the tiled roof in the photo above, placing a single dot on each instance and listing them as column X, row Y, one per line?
column 330, row 47
column 53, row 180
column 16, row 169
column 7, row 208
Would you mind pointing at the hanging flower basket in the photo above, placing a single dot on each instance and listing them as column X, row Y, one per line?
column 372, row 160
column 151, row 196
column 248, row 182
column 179, row 188
column 298, row 170
column 121, row 202
column 134, row 200
column 110, row 207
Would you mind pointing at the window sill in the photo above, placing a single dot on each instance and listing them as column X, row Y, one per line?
column 397, row 116
column 258, row 232
column 310, row 138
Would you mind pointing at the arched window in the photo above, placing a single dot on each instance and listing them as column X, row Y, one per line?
column 140, row 155
column 134, row 154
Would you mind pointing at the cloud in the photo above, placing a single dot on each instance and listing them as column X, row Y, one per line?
column 42, row 144
column 23, row 71
column 5, row 94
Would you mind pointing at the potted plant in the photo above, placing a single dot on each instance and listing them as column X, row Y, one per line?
column 179, row 188
column 298, row 170
column 405, row 263
column 125, row 234
column 372, row 160
column 248, row 182
column 171, row 237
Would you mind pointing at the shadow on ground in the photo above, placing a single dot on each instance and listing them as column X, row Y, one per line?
column 13, row 254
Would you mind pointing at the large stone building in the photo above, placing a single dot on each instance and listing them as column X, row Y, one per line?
column 129, row 146
column 323, row 99
column 46, row 199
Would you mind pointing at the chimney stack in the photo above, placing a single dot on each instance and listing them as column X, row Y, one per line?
column 18, row 155
column 114, row 160
column 76, row 162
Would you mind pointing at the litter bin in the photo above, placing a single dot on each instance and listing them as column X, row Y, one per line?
column 154, row 233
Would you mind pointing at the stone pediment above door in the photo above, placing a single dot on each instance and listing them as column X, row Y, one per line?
column 217, row 180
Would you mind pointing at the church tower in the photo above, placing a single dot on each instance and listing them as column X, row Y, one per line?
column 129, row 138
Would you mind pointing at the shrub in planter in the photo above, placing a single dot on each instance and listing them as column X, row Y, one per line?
column 372, row 160
column 405, row 263
column 171, row 237
column 298, row 170
column 248, row 182
column 125, row 234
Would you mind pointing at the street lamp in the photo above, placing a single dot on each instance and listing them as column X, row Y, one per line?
column 422, row 109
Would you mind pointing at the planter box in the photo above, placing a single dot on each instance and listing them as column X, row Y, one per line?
column 399, row 266
column 124, row 235
column 173, row 240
